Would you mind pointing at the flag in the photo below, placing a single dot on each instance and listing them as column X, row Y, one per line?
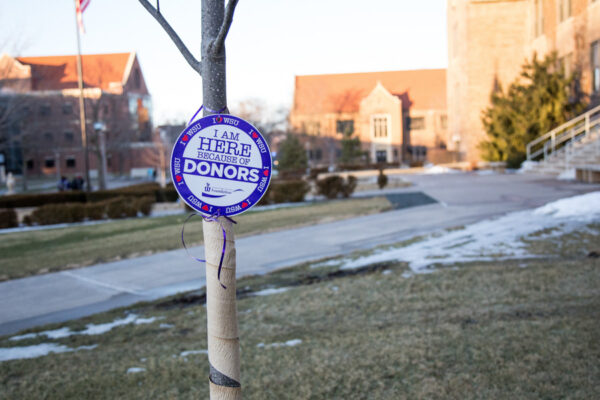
column 80, row 6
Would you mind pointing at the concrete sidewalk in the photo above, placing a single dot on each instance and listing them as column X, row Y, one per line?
column 463, row 199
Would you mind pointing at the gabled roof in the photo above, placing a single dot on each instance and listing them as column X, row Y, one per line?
column 332, row 93
column 60, row 72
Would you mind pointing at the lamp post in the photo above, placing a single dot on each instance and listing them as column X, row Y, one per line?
column 100, row 129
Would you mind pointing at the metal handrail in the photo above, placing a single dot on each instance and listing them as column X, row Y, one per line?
column 561, row 134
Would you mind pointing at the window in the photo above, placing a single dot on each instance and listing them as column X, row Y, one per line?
column 49, row 163
column 48, row 137
column 380, row 126
column 444, row 121
column 416, row 123
column 45, row 110
column 29, row 164
column 539, row 17
column 595, row 61
column 345, row 126
column 381, row 156
column 69, row 137
column 67, row 108
column 105, row 110
column 70, row 162
column 564, row 10
column 318, row 154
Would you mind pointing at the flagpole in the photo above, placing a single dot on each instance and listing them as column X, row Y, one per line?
column 82, row 120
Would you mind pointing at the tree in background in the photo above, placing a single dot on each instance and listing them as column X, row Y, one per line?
column 292, row 156
column 541, row 99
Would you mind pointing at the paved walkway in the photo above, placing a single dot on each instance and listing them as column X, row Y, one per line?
column 462, row 199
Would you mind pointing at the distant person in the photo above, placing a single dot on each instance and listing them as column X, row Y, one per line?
column 63, row 184
column 10, row 183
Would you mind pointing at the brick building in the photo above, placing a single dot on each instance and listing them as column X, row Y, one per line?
column 399, row 116
column 39, row 114
column 489, row 41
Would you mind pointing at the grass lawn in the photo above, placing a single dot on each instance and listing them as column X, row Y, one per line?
column 484, row 330
column 34, row 252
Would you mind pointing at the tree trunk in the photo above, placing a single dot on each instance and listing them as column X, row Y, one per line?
column 223, row 337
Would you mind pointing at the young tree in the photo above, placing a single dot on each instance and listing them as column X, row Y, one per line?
column 292, row 155
column 541, row 99
column 223, row 337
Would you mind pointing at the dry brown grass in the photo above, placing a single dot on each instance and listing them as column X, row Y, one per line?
column 494, row 330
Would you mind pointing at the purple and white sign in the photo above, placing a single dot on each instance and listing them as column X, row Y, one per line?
column 221, row 165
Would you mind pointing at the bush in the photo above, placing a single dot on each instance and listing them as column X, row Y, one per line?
column 8, row 219
column 285, row 191
column 144, row 204
column 95, row 211
column 332, row 186
column 121, row 207
column 288, row 191
column 58, row 213
column 40, row 199
column 382, row 179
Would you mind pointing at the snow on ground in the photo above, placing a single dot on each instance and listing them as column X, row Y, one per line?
column 266, row 292
column 91, row 329
column 191, row 352
column 491, row 239
column 289, row 343
column 438, row 169
column 135, row 370
column 568, row 175
column 38, row 350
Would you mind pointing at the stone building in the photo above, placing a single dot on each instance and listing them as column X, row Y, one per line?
column 39, row 114
column 490, row 40
column 399, row 116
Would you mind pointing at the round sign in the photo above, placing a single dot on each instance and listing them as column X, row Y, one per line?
column 221, row 165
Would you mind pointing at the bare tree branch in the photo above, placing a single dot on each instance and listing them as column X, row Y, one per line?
column 195, row 64
column 227, row 19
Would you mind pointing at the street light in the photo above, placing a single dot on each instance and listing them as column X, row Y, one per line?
column 100, row 128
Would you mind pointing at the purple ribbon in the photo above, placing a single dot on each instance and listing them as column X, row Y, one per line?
column 210, row 218
column 209, row 109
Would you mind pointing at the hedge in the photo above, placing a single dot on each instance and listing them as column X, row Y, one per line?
column 159, row 194
column 333, row 186
column 8, row 219
column 120, row 207
column 285, row 191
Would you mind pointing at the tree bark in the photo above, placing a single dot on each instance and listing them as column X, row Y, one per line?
column 221, row 312
column 223, row 337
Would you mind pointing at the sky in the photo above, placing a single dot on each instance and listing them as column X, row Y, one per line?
column 270, row 42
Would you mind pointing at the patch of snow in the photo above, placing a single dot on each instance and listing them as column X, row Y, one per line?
column 387, row 272
column 166, row 326
column 407, row 274
column 135, row 370
column 329, row 263
column 267, row 292
column 142, row 321
column 568, row 175
column 91, row 329
column 37, row 350
column 491, row 239
column 289, row 343
column 484, row 172
column 438, row 169
column 191, row 352
column 527, row 166
column 335, row 288
column 23, row 337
